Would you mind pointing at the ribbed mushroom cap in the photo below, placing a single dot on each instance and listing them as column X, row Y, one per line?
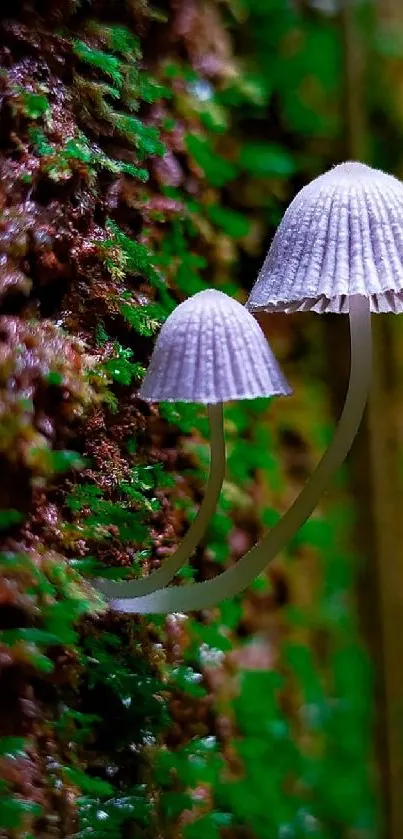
column 211, row 350
column 342, row 235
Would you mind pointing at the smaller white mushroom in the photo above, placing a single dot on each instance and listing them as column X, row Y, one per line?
column 210, row 350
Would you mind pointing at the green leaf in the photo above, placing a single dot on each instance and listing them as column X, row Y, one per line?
column 267, row 160
column 64, row 460
column 188, row 680
column 208, row 826
column 9, row 517
column 12, row 746
column 217, row 170
column 29, row 634
column 13, row 810
column 88, row 565
column 83, row 495
column 38, row 660
column 174, row 803
column 231, row 612
column 234, row 224
column 88, row 784
column 211, row 636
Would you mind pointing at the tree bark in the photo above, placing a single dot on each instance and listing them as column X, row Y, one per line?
column 375, row 478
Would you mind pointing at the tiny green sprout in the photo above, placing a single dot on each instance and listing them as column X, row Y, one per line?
column 54, row 378
column 35, row 105
column 40, row 142
column 121, row 369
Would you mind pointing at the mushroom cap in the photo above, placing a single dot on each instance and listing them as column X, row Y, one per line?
column 210, row 350
column 342, row 235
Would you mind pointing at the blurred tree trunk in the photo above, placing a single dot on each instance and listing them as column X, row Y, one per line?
column 388, row 497
column 374, row 472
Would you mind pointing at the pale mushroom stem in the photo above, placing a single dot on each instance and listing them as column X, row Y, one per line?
column 161, row 577
column 238, row 577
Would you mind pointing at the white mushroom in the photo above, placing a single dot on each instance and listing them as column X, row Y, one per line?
column 339, row 248
column 209, row 351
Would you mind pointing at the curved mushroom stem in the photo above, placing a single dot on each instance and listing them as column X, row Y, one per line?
column 236, row 579
column 161, row 577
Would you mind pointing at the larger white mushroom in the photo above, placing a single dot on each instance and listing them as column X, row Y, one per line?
column 339, row 248
column 209, row 351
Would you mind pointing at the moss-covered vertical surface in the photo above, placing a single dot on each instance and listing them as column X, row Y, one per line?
column 128, row 181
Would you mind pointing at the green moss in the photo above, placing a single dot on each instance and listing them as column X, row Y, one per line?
column 104, row 517
column 60, row 162
column 40, row 142
column 35, row 105
column 145, row 137
column 121, row 368
column 118, row 39
column 131, row 256
column 61, row 598
column 108, row 64
column 130, row 86
column 145, row 320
